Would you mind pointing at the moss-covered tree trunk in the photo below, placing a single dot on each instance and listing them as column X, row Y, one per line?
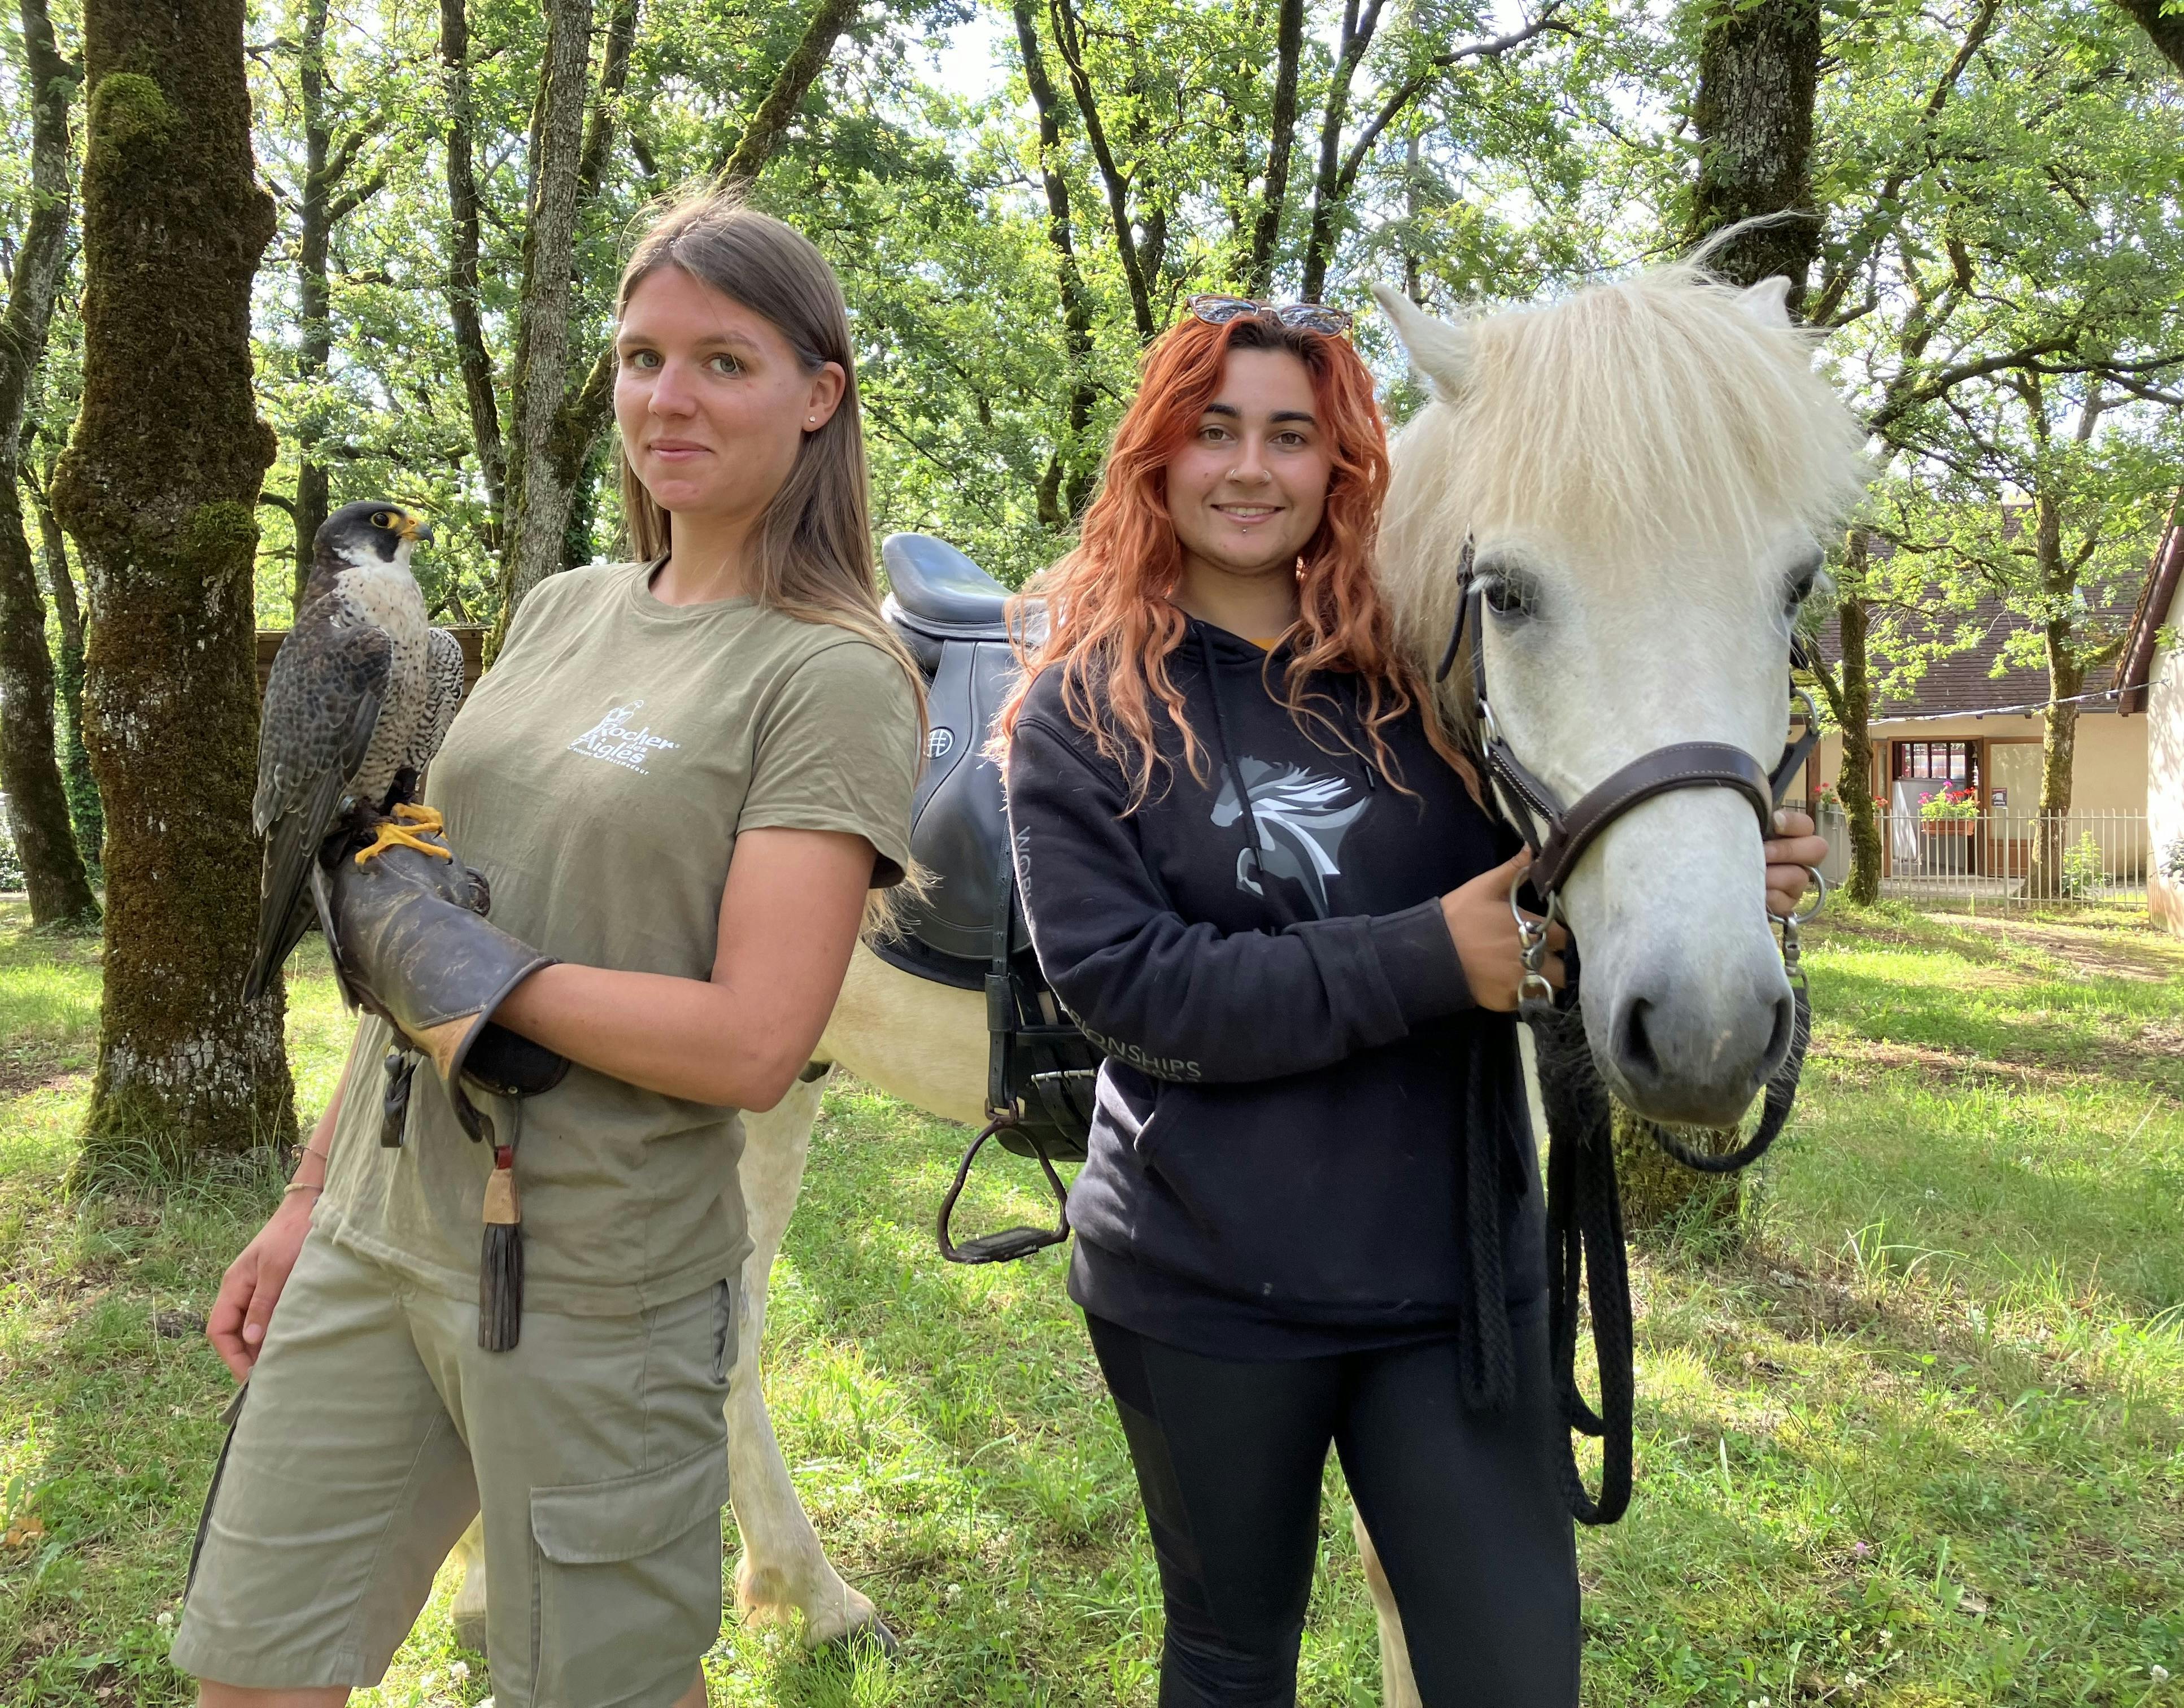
column 1759, row 68
column 321, row 205
column 1070, row 471
column 541, row 472
column 1854, row 714
column 1760, row 65
column 463, row 237
column 85, row 809
column 30, row 773
column 159, row 486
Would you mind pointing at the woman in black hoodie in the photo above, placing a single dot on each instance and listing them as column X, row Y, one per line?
column 1259, row 878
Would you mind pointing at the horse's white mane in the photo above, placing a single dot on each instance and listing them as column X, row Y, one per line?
column 1667, row 408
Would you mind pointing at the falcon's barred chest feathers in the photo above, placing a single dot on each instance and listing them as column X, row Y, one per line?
column 361, row 693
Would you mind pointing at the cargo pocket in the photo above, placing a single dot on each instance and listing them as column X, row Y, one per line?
column 726, row 1300
column 629, row 1583
column 230, row 1415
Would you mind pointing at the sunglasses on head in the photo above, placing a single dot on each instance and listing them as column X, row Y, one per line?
column 1218, row 310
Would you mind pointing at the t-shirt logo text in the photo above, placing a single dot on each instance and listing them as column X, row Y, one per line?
column 612, row 740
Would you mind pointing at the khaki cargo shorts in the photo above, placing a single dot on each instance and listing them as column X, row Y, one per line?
column 373, row 1430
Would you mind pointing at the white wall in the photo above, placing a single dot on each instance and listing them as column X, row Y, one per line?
column 2165, row 782
column 2109, row 774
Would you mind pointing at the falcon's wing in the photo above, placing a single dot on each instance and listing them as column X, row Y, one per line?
column 443, row 693
column 322, row 704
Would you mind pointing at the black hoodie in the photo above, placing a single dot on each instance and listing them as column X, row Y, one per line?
column 1296, row 1065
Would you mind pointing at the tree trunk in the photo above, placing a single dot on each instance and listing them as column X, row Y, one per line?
column 85, row 812
column 1759, row 66
column 2058, row 723
column 1069, row 473
column 1330, row 186
column 2163, row 27
column 2059, row 752
column 471, row 353
column 30, row 773
column 1068, row 36
column 791, row 84
column 159, row 486
column 1658, row 1190
column 540, row 487
column 315, row 351
column 1854, row 778
column 1267, row 230
column 556, row 429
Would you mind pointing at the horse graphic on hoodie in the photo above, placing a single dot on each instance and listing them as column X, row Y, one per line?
column 1298, row 819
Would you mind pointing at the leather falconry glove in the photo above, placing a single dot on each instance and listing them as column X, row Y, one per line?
column 410, row 942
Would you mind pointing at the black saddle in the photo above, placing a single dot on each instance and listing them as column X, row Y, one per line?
column 968, row 929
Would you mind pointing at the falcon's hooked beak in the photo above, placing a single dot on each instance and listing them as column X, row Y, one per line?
column 414, row 530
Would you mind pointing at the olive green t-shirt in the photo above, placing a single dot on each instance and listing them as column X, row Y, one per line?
column 599, row 777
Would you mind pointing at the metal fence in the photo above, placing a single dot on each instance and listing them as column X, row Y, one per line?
column 2001, row 859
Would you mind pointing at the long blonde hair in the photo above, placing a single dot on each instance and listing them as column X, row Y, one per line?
column 812, row 550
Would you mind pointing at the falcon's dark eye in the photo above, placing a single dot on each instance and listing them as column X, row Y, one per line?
column 382, row 519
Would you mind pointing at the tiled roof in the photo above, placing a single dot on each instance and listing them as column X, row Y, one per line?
column 1963, row 682
column 2134, row 669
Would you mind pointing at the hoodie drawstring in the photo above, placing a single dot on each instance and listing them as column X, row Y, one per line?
column 1247, row 815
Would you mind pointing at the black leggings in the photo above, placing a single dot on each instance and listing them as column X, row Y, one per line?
column 1462, row 1507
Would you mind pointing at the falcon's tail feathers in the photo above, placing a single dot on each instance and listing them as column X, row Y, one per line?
column 283, row 914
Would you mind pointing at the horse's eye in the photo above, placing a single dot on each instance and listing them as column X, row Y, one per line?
column 1507, row 595
column 1800, row 584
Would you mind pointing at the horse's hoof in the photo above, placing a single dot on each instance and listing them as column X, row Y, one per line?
column 872, row 1637
column 470, row 1630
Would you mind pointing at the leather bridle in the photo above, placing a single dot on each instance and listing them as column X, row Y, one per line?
column 1584, row 1210
column 1526, row 802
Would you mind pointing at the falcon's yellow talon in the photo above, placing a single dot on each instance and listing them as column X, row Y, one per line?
column 392, row 835
column 424, row 818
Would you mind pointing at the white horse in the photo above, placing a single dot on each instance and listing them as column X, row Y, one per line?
column 1646, row 471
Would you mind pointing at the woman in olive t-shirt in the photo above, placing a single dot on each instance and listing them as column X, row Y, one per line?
column 680, row 778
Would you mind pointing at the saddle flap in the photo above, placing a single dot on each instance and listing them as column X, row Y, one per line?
column 959, row 819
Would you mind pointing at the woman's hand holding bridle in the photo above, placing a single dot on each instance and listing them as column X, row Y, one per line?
column 1793, row 851
column 1484, row 932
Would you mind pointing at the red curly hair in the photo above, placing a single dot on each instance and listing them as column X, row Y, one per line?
column 1112, row 622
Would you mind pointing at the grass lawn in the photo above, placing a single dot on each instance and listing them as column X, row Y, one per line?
column 1917, row 1438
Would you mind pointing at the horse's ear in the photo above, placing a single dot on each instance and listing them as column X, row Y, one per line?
column 1766, row 302
column 1439, row 351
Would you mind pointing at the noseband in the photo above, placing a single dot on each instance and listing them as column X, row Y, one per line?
column 1526, row 802
column 1584, row 1208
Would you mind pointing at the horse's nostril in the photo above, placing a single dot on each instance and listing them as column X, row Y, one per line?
column 1633, row 1049
column 1778, row 1041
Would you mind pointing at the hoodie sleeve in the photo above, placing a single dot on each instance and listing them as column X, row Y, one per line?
column 1187, row 1001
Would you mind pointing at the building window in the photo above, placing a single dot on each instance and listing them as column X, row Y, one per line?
column 1955, row 762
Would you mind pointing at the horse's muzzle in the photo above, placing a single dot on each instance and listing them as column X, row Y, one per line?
column 1695, row 1062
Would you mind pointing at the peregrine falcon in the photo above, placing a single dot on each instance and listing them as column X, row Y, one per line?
column 361, row 693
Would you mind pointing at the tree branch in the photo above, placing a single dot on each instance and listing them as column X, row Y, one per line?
column 1068, row 37
column 755, row 146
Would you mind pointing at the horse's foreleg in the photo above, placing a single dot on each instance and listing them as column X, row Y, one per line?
column 1398, row 1688
column 468, row 1614
column 783, row 1567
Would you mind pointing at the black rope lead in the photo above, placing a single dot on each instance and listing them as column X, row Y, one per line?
column 1587, row 1260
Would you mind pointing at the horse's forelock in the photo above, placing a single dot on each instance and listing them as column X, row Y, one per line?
column 1664, row 409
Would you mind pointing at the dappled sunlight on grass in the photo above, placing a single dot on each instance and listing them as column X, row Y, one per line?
column 1924, row 1426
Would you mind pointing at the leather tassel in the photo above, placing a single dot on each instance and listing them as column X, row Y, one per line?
column 394, row 1105
column 500, row 1264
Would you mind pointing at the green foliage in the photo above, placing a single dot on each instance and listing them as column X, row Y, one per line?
column 2085, row 869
